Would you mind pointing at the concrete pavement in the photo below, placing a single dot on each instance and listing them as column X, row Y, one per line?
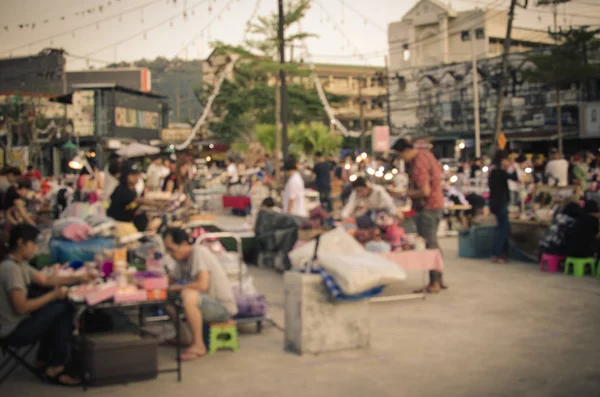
column 500, row 330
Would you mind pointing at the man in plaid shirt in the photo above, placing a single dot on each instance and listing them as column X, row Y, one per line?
column 428, row 199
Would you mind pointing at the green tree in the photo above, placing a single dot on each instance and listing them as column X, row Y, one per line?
column 305, row 138
column 565, row 64
column 249, row 98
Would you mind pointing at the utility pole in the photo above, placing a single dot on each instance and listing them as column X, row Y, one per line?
column 503, row 74
column 177, row 99
column 277, row 131
column 361, row 115
column 475, row 95
column 387, row 95
column 283, row 87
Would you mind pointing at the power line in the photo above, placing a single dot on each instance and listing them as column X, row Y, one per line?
column 146, row 30
column 81, row 13
column 73, row 30
column 366, row 19
column 539, row 10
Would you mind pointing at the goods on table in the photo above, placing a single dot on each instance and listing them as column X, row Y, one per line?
column 93, row 294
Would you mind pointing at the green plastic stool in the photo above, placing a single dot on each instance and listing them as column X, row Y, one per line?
column 223, row 336
column 579, row 265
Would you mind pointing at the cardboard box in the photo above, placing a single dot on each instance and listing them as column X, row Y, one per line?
column 157, row 294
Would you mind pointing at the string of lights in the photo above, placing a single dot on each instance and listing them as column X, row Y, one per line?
column 144, row 32
column 225, row 72
column 82, row 13
column 72, row 31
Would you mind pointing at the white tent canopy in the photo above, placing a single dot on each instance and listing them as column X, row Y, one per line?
column 136, row 149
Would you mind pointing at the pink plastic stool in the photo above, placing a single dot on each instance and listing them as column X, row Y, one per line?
column 552, row 262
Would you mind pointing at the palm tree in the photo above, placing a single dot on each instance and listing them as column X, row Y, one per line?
column 264, row 30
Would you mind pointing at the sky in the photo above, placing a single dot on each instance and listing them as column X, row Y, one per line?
column 349, row 31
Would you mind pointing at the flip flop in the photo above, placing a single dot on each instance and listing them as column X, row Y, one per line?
column 55, row 380
column 426, row 290
column 191, row 355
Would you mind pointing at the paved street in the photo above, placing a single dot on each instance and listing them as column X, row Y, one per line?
column 500, row 330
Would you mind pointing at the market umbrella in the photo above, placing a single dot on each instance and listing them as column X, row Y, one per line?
column 136, row 149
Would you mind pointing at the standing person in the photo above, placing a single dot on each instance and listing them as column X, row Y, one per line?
column 232, row 172
column 557, row 169
column 475, row 168
column 112, row 175
column 322, row 170
column 154, row 174
column 499, row 200
column 293, row 193
column 539, row 169
column 515, row 187
column 428, row 198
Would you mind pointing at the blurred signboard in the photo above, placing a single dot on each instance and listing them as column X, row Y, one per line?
column 589, row 120
column 381, row 139
column 83, row 115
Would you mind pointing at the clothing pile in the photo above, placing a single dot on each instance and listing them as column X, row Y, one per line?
column 276, row 235
column 318, row 218
column 349, row 271
column 80, row 239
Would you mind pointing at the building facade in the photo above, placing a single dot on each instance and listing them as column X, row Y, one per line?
column 431, row 49
column 354, row 83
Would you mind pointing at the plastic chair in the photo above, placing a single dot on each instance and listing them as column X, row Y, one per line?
column 578, row 265
column 223, row 336
column 551, row 262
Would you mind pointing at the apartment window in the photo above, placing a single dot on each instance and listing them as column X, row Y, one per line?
column 479, row 33
column 405, row 52
column 465, row 35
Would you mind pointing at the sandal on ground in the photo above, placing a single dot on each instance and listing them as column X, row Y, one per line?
column 191, row 355
column 56, row 379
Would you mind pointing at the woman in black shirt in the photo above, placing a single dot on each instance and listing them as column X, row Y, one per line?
column 124, row 202
column 499, row 199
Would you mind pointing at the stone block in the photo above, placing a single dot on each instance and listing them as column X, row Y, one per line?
column 315, row 324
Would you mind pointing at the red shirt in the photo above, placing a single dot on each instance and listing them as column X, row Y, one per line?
column 35, row 174
column 426, row 170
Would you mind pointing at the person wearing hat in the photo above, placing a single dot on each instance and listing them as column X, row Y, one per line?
column 293, row 193
column 124, row 201
column 427, row 197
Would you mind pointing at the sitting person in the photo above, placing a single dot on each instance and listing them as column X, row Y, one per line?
column 582, row 241
column 367, row 197
column 554, row 241
column 205, row 290
column 15, row 203
column 25, row 320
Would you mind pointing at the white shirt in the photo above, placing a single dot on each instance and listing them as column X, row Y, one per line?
column 294, row 190
column 379, row 199
column 232, row 171
column 153, row 176
column 110, row 184
column 514, row 186
column 558, row 172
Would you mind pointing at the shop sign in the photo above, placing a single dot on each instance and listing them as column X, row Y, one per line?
column 133, row 118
